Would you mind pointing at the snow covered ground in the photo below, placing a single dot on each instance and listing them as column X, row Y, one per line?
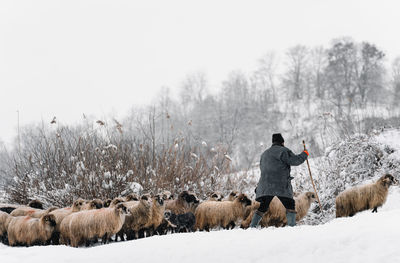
column 364, row 238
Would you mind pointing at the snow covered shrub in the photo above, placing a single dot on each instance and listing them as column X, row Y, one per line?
column 85, row 162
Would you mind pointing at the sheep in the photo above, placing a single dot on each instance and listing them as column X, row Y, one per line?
column 35, row 204
column 5, row 219
column 82, row 227
column 360, row 198
column 276, row 213
column 183, row 204
column 32, row 212
column 211, row 214
column 25, row 230
column 139, row 215
column 157, row 216
column 216, row 196
column 182, row 223
column 61, row 213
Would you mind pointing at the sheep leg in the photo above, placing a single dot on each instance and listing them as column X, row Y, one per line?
column 120, row 234
column 87, row 243
column 375, row 210
column 104, row 239
column 141, row 233
column 55, row 238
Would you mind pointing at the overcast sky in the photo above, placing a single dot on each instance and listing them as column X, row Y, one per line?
column 66, row 58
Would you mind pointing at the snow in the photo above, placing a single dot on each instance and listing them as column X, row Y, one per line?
column 364, row 238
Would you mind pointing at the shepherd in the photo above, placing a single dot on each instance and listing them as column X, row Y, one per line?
column 275, row 179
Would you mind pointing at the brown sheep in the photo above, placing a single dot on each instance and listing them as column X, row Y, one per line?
column 211, row 214
column 27, row 231
column 140, row 214
column 84, row 226
column 157, row 216
column 183, row 204
column 276, row 214
column 360, row 198
column 32, row 212
column 5, row 219
column 61, row 213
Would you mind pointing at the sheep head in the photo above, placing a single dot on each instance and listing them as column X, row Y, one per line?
column 159, row 199
column 233, row 195
column 388, row 180
column 167, row 195
column 242, row 198
column 35, row 204
column 116, row 201
column 95, row 204
column 107, row 203
column 217, row 196
column 122, row 209
column 192, row 198
column 167, row 214
column 48, row 221
column 77, row 205
column 183, row 196
column 311, row 197
column 131, row 197
column 146, row 200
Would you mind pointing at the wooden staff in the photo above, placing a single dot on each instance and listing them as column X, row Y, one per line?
column 312, row 181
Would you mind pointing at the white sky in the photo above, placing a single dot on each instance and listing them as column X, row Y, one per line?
column 65, row 58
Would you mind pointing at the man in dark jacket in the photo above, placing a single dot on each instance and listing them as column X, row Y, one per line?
column 276, row 180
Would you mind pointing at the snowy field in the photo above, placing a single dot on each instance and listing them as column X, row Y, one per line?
column 364, row 238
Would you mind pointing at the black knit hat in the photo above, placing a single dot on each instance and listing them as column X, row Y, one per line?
column 277, row 138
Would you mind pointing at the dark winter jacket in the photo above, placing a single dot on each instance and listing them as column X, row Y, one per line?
column 275, row 177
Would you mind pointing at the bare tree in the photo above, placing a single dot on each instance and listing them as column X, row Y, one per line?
column 396, row 80
column 370, row 72
column 318, row 62
column 341, row 73
column 296, row 71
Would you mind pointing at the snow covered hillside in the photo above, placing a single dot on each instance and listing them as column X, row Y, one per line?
column 364, row 238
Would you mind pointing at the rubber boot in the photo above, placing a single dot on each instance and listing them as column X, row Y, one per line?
column 291, row 217
column 256, row 219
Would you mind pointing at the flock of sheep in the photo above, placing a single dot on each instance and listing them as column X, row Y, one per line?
column 132, row 217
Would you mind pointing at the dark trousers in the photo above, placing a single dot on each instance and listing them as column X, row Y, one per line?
column 288, row 203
